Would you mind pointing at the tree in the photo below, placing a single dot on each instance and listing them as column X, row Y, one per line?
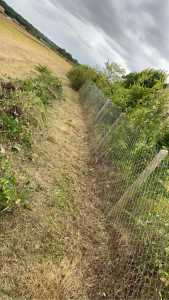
column 153, row 76
column 113, row 71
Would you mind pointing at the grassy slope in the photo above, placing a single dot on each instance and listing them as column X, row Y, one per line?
column 59, row 250
column 19, row 53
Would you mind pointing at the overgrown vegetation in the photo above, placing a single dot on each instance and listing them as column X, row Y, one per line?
column 143, row 96
column 39, row 35
column 23, row 105
column 126, row 153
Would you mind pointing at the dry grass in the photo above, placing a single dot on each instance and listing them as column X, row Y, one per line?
column 40, row 251
column 58, row 248
column 19, row 52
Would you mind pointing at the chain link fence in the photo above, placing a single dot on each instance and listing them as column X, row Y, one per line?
column 133, row 176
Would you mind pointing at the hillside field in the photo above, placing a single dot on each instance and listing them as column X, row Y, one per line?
column 20, row 51
column 48, row 250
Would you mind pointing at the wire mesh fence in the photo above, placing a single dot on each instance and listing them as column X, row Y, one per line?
column 133, row 176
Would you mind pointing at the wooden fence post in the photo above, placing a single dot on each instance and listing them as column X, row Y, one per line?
column 115, row 124
column 121, row 204
column 102, row 110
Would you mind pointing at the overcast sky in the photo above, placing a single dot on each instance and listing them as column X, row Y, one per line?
column 132, row 33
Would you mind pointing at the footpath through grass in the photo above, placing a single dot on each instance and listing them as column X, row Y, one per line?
column 54, row 239
column 51, row 224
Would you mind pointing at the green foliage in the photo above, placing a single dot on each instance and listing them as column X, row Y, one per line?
column 11, row 193
column 45, row 86
column 8, row 184
column 129, row 149
column 146, row 106
column 113, row 71
column 141, row 95
column 23, row 103
column 79, row 74
column 154, row 76
column 44, row 70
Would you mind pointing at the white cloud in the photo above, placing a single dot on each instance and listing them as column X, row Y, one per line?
column 129, row 32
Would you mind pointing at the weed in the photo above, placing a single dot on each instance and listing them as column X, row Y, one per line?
column 62, row 197
column 22, row 105
column 6, row 293
column 11, row 193
column 21, row 102
column 69, row 123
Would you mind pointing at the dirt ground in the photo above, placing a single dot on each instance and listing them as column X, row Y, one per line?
column 59, row 247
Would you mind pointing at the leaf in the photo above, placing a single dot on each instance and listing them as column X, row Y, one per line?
column 2, row 150
column 167, row 250
column 6, row 293
column 27, row 183
column 27, row 208
column 15, row 149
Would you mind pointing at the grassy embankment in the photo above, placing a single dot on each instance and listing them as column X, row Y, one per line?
column 39, row 251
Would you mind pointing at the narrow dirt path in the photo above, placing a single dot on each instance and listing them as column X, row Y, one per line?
column 59, row 247
column 89, row 238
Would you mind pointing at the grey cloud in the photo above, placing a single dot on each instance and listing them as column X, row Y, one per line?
column 131, row 24
column 134, row 31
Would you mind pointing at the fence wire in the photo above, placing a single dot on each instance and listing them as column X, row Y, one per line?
column 141, row 226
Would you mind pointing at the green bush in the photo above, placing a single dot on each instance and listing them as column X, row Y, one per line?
column 79, row 74
column 22, row 105
column 11, row 192
column 23, row 101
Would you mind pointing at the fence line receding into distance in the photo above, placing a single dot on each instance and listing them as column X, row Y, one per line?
column 133, row 176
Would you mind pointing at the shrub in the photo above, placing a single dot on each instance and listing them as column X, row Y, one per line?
column 22, row 105
column 23, row 101
column 79, row 74
column 11, row 192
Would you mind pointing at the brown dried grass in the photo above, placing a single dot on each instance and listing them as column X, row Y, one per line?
column 20, row 51
column 62, row 248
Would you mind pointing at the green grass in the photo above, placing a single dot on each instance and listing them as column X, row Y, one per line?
column 62, row 197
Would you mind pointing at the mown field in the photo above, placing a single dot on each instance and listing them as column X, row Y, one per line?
column 19, row 52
